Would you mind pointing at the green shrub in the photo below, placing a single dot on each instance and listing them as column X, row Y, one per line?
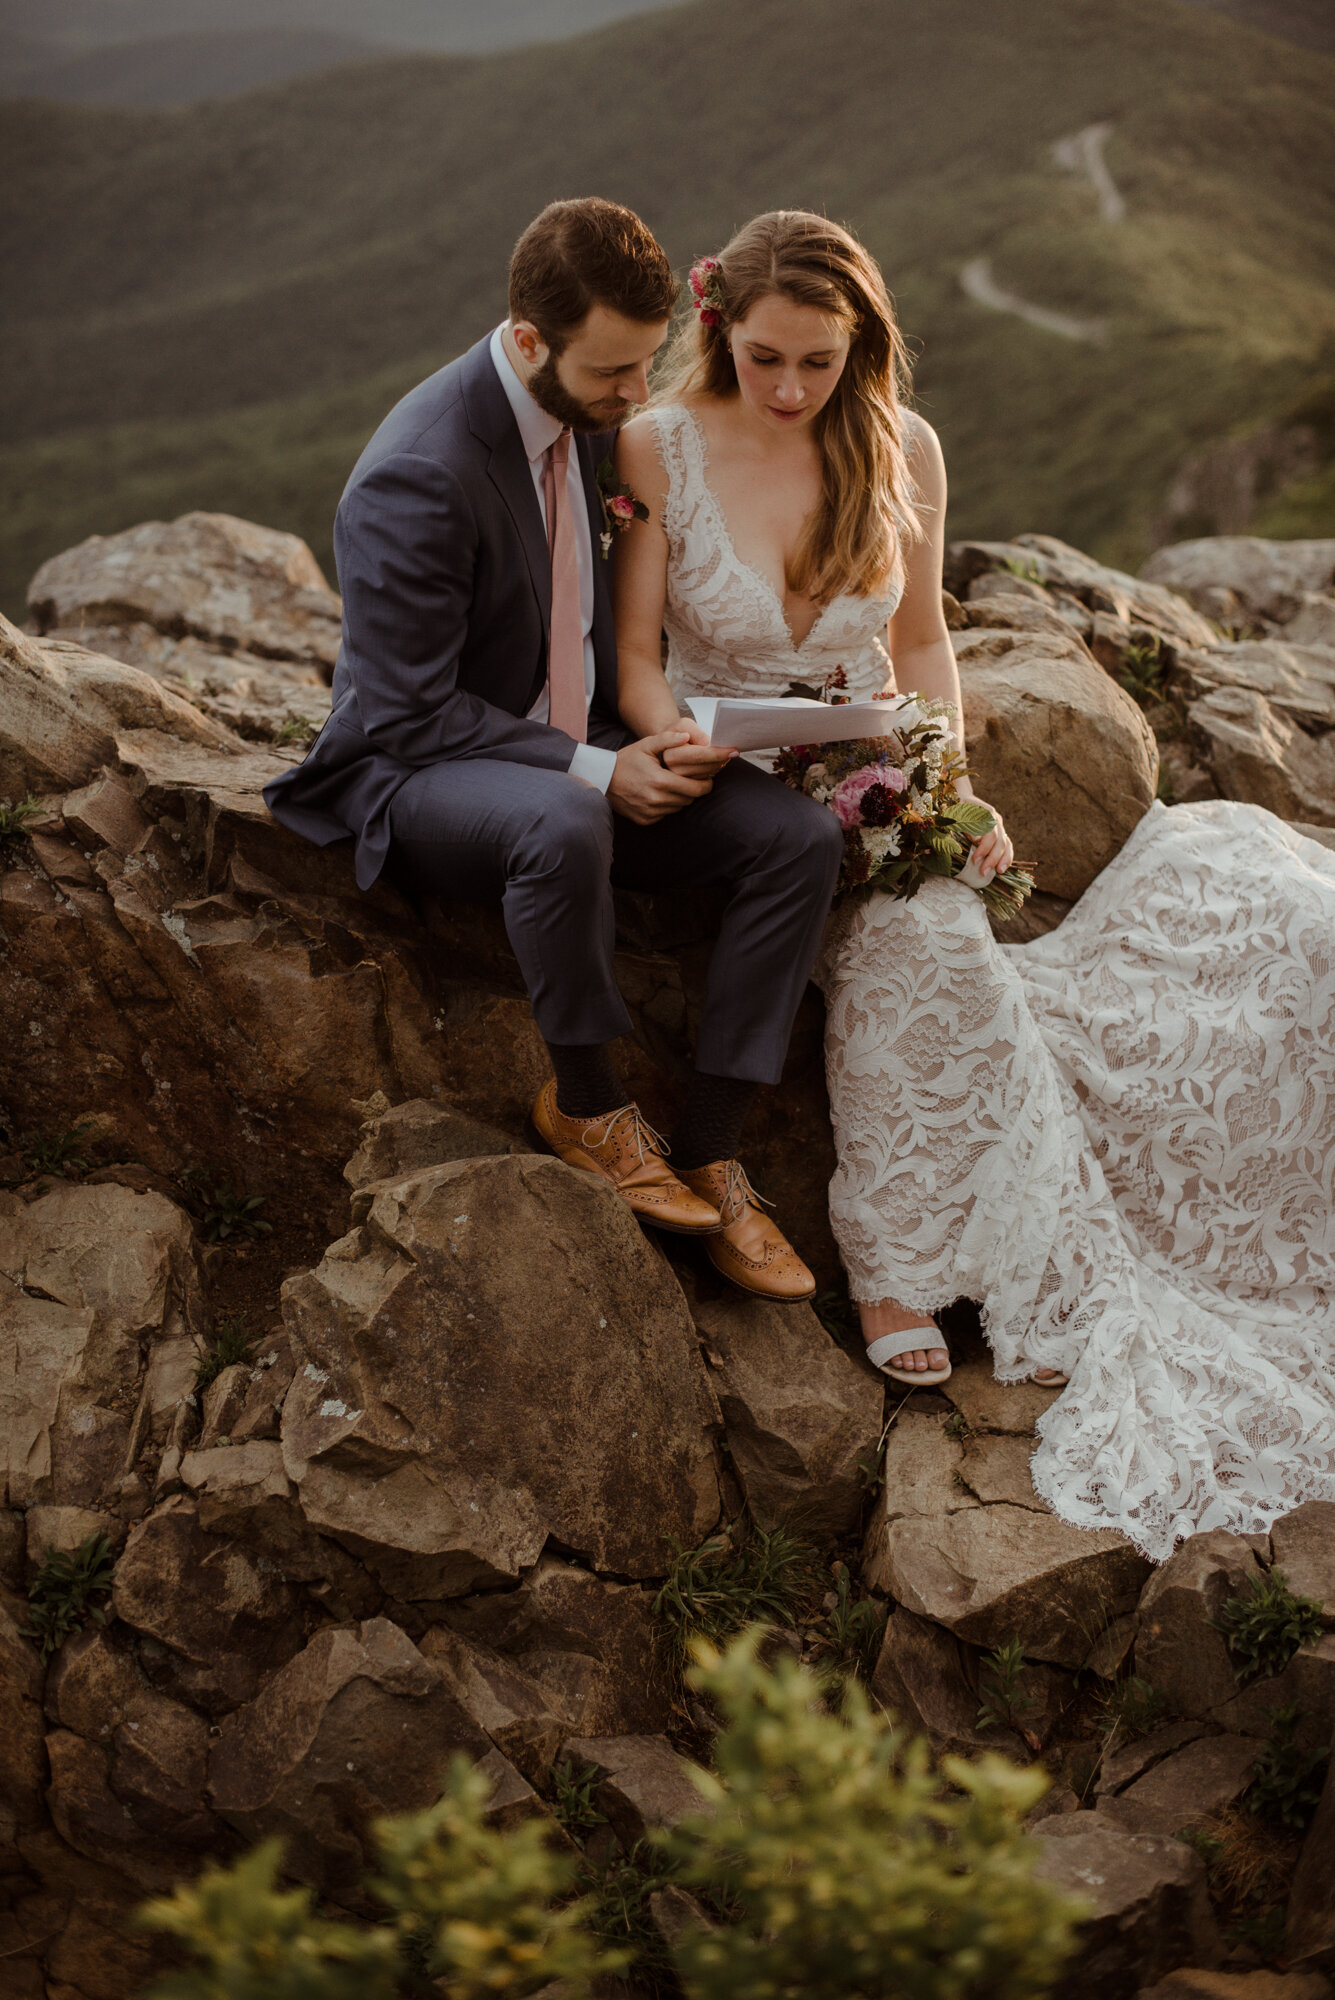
column 1005, row 1703
column 1287, row 1777
column 842, row 1864
column 227, row 1344
column 845, row 1867
column 14, row 817
column 1264, row 1625
column 62, row 1592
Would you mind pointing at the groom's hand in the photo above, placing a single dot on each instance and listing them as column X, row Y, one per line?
column 643, row 789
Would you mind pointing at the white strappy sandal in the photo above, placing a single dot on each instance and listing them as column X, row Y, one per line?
column 880, row 1350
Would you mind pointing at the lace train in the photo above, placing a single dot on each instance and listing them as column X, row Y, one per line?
column 1120, row 1140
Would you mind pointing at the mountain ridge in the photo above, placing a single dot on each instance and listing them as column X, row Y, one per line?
column 180, row 276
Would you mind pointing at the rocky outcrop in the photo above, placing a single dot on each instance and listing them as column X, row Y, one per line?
column 236, row 618
column 433, row 1508
column 1231, row 576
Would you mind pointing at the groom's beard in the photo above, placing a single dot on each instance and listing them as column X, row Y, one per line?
column 550, row 393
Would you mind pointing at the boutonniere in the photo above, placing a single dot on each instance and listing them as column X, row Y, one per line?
column 620, row 506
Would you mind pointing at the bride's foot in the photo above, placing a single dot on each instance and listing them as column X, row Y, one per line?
column 1049, row 1378
column 888, row 1330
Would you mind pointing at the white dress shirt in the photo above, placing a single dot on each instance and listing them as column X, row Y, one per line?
column 537, row 433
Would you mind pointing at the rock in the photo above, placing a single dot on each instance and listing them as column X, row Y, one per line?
column 242, row 1491
column 1010, row 604
column 359, row 1724
column 1313, row 624
column 513, row 1708
column 1298, row 681
column 97, row 1957
column 1150, row 1909
column 1178, row 1649
column 1009, row 1409
column 1307, row 1683
column 928, row 1681
column 222, row 1403
column 1123, row 1764
column 421, row 1133
column 1186, row 1787
column 1309, row 1939
column 1303, row 1546
column 1038, row 702
column 991, row 1574
column 801, row 1416
column 97, row 1274
column 644, row 1783
column 1141, row 601
column 238, row 618
column 674, row 1911
column 22, row 1759
column 65, row 707
column 1192, row 1983
column 214, row 1619
column 64, row 1530
column 996, row 1571
column 467, row 1284
column 592, row 1646
column 1268, row 579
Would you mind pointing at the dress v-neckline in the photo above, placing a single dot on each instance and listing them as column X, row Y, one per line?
column 725, row 535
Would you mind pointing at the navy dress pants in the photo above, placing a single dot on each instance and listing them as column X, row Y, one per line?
column 552, row 849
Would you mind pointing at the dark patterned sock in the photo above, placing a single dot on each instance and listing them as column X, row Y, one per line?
column 587, row 1084
column 710, row 1126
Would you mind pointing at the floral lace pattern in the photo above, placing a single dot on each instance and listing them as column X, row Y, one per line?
column 1119, row 1139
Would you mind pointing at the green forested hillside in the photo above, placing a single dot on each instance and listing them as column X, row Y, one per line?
column 212, row 308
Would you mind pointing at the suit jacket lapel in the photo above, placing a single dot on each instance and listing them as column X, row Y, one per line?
column 491, row 419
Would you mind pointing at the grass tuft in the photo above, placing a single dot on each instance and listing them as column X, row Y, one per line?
column 227, row 1344
column 766, row 1577
column 62, row 1596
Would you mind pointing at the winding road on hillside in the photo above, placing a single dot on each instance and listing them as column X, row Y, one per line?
column 1081, row 153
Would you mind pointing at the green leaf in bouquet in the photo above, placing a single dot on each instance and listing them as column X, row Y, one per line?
column 972, row 817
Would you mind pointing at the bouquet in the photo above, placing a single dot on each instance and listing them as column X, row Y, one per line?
column 902, row 817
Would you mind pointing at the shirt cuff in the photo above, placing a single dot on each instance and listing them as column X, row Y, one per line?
column 594, row 765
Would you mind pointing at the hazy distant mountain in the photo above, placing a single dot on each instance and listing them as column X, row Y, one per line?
column 175, row 69
column 76, row 25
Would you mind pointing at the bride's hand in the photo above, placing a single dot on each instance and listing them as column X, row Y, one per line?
column 644, row 789
column 696, row 757
column 993, row 854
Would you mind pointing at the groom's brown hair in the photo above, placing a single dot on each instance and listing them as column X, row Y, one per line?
column 580, row 254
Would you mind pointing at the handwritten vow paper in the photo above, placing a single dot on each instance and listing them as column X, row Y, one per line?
column 772, row 724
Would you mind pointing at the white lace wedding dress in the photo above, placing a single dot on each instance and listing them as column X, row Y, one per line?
column 1119, row 1140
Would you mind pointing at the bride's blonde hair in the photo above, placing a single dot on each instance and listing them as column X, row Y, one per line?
column 866, row 512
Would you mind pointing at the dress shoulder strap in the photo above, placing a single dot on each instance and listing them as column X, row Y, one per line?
column 678, row 449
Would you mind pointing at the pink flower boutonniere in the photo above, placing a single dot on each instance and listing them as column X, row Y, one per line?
column 620, row 506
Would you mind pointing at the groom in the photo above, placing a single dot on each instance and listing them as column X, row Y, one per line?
column 474, row 743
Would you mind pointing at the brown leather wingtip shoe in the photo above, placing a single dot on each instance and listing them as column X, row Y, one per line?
column 623, row 1148
column 750, row 1251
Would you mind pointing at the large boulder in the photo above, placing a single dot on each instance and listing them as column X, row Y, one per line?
column 1259, row 755
column 96, row 1330
column 1264, row 579
column 497, row 1357
column 1058, row 748
column 358, row 1725
column 803, row 1419
column 235, row 617
column 1200, row 1779
column 1146, row 1898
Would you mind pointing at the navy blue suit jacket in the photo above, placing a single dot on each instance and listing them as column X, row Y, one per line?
column 442, row 560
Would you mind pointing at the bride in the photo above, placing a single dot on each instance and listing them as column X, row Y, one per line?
column 1118, row 1140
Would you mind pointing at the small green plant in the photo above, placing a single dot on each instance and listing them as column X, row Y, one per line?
column 957, row 1426
column 1142, row 672
column 296, row 729
column 1265, row 1624
column 1264, row 1933
column 621, row 1918
column 715, row 1590
column 1004, row 1702
column 1287, row 1777
column 1025, row 567
column 14, row 817
column 853, row 1634
column 227, row 1344
column 58, row 1155
column 1165, row 791
column 62, row 1595
column 1131, row 1708
column 573, row 1787
column 223, row 1210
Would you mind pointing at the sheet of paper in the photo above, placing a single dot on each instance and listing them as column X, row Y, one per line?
column 765, row 724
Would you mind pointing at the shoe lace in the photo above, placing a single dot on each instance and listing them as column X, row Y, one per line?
column 641, row 1132
column 737, row 1191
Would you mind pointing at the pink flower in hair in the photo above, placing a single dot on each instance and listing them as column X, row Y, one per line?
column 707, row 290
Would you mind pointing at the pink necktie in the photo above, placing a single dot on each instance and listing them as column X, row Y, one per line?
column 565, row 647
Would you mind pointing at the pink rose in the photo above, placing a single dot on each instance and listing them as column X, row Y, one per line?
column 622, row 506
column 848, row 793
